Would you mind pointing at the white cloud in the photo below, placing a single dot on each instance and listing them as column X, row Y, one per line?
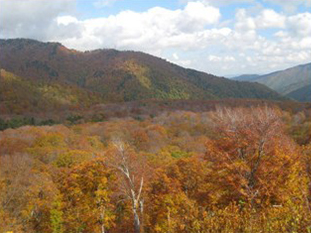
column 175, row 56
column 229, row 59
column 244, row 23
column 220, row 2
column 31, row 18
column 214, row 58
column 196, row 16
column 300, row 24
column 280, row 34
column 270, row 19
column 267, row 18
column 305, row 43
column 66, row 20
column 103, row 3
column 151, row 31
column 290, row 6
column 179, row 61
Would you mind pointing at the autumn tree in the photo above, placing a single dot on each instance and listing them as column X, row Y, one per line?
column 177, row 196
column 26, row 192
column 86, row 192
column 253, row 160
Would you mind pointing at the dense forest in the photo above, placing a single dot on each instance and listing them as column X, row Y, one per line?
column 160, row 166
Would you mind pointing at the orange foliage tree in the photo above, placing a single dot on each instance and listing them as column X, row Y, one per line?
column 86, row 197
column 253, row 160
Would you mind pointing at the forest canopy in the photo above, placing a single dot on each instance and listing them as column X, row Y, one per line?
column 231, row 169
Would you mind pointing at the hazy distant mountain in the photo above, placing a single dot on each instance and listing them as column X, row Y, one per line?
column 246, row 77
column 292, row 82
column 112, row 75
column 286, row 81
column 302, row 94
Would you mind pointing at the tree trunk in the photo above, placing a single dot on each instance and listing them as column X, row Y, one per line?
column 141, row 205
column 103, row 220
column 136, row 221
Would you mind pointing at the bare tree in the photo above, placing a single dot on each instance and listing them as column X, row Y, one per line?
column 131, row 167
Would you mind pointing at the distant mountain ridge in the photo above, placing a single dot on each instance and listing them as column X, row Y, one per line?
column 293, row 82
column 246, row 77
column 113, row 75
column 288, row 80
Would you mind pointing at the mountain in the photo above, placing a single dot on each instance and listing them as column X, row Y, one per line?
column 246, row 77
column 293, row 82
column 286, row 81
column 19, row 95
column 109, row 75
column 302, row 94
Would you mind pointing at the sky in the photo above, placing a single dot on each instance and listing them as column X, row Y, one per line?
column 221, row 37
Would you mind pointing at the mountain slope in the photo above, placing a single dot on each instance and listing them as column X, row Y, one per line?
column 302, row 94
column 119, row 76
column 19, row 95
column 246, row 77
column 289, row 80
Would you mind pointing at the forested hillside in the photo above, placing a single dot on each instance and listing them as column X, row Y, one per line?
column 22, row 96
column 302, row 94
column 119, row 75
